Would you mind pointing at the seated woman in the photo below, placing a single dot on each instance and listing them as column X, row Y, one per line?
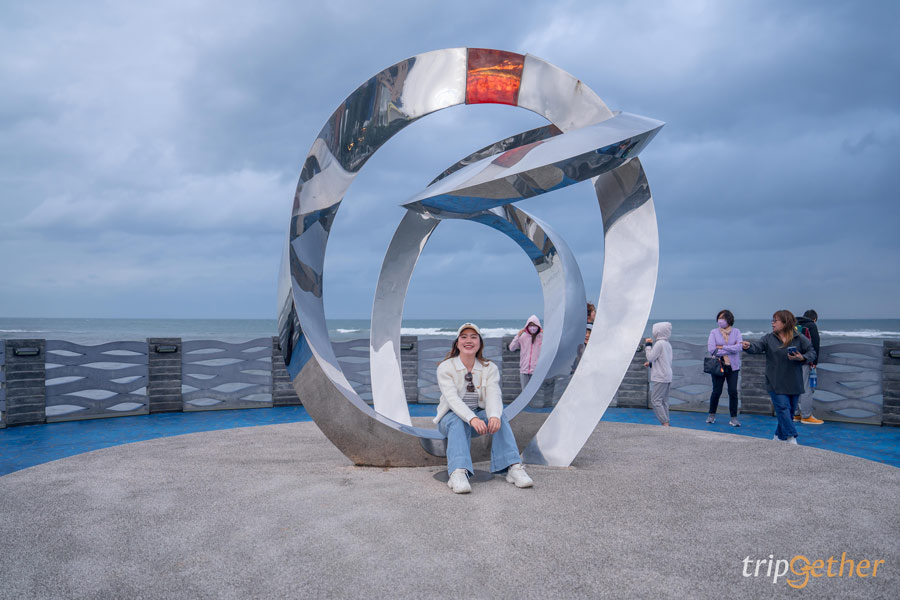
column 470, row 394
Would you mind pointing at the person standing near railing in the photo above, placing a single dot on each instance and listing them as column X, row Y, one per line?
column 785, row 351
column 528, row 342
column 658, row 351
column 725, row 342
column 807, row 324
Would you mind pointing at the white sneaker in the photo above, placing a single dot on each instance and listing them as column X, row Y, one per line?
column 518, row 476
column 793, row 440
column 459, row 482
column 776, row 439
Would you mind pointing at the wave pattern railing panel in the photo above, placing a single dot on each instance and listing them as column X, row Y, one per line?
column 90, row 382
column 353, row 356
column 433, row 351
column 691, row 387
column 220, row 375
column 850, row 383
column 85, row 382
column 2, row 384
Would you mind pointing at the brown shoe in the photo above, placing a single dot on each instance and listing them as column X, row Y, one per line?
column 797, row 417
column 811, row 420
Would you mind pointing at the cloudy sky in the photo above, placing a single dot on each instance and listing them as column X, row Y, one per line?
column 149, row 153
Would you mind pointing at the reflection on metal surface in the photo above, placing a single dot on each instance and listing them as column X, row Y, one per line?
column 515, row 141
column 493, row 76
column 539, row 167
column 585, row 140
column 629, row 279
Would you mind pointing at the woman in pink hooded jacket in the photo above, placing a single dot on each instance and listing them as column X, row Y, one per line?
column 528, row 340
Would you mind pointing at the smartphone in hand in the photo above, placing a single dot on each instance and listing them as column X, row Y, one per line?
column 792, row 349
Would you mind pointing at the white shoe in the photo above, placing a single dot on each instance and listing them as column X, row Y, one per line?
column 459, row 482
column 776, row 439
column 792, row 440
column 518, row 476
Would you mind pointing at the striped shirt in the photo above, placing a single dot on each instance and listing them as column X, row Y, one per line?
column 471, row 400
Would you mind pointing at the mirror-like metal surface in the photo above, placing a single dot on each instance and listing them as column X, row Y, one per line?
column 370, row 116
column 539, row 167
column 561, row 282
column 515, row 141
column 479, row 188
column 630, row 265
column 561, row 98
column 388, row 395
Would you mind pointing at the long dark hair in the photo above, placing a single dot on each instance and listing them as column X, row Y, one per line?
column 790, row 322
column 454, row 350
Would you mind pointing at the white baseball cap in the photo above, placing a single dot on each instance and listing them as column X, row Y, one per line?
column 468, row 326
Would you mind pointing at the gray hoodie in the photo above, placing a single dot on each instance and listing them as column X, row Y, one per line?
column 660, row 353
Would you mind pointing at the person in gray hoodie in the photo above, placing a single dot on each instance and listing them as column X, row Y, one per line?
column 659, row 353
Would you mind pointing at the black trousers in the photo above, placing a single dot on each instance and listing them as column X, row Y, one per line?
column 718, row 382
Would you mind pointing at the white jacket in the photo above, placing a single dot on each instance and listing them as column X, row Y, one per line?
column 660, row 354
column 451, row 378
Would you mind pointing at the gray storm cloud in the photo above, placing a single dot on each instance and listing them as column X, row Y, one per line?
column 149, row 153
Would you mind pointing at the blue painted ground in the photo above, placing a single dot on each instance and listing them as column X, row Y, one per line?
column 23, row 447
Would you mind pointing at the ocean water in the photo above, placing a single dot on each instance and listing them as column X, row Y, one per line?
column 98, row 331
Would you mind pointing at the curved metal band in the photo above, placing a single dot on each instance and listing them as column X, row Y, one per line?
column 561, row 282
column 630, row 263
column 370, row 116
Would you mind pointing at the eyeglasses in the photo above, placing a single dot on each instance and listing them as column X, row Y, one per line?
column 470, row 387
column 777, row 321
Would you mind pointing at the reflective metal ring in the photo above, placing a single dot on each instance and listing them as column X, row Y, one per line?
column 586, row 141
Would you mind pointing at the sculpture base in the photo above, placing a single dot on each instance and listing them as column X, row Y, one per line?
column 369, row 443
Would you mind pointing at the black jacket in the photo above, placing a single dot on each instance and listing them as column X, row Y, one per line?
column 813, row 333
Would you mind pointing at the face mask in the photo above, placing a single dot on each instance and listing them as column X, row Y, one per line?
column 722, row 323
column 532, row 329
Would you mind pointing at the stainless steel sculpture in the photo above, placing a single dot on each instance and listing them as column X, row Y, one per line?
column 584, row 141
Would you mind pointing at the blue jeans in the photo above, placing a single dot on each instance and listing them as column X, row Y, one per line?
column 504, row 451
column 785, row 407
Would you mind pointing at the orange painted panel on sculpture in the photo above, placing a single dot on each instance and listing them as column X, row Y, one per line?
column 493, row 76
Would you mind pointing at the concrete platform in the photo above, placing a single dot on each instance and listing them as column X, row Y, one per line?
column 276, row 511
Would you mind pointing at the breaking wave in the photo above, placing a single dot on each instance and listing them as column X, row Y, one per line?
column 488, row 332
column 859, row 333
column 862, row 333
